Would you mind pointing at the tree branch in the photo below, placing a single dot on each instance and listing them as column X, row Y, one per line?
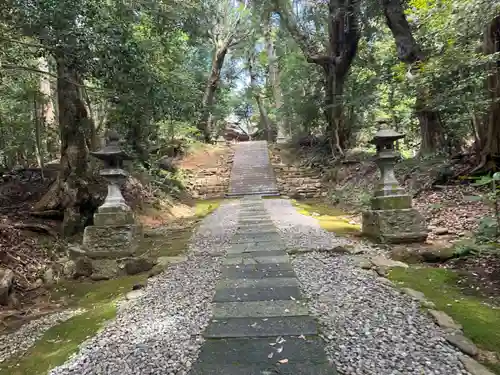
column 311, row 52
column 408, row 49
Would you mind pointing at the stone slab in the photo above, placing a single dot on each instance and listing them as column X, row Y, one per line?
column 257, row 237
column 281, row 293
column 256, row 233
column 254, row 246
column 251, row 259
column 257, row 227
column 253, row 217
column 258, row 271
column 258, row 283
column 261, row 327
column 258, row 253
column 255, row 223
column 259, row 309
column 257, row 351
column 291, row 368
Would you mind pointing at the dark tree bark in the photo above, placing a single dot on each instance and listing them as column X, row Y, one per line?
column 268, row 126
column 283, row 124
column 491, row 135
column 335, row 61
column 205, row 125
column 410, row 52
column 70, row 193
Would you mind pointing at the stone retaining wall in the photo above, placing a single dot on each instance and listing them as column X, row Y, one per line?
column 206, row 183
column 297, row 182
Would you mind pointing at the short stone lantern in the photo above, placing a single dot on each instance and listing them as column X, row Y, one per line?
column 391, row 218
column 114, row 233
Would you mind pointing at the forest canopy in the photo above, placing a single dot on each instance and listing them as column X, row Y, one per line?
column 160, row 71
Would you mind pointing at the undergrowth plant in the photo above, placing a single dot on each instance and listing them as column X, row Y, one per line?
column 489, row 227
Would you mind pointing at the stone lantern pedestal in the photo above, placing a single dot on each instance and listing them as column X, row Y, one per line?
column 391, row 218
column 115, row 232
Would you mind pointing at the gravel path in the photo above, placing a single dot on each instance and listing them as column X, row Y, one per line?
column 370, row 327
column 18, row 342
column 160, row 332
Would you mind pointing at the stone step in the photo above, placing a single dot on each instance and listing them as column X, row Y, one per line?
column 295, row 349
column 259, row 309
column 257, row 283
column 244, row 248
column 261, row 327
column 279, row 293
column 292, row 368
column 255, row 238
column 250, row 259
column 257, row 271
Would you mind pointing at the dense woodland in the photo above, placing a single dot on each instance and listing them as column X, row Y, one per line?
column 161, row 72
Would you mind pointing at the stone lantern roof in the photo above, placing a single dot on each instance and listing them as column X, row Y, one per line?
column 112, row 150
column 386, row 136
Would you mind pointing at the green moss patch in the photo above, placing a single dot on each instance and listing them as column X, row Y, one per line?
column 330, row 218
column 206, row 207
column 480, row 321
column 61, row 341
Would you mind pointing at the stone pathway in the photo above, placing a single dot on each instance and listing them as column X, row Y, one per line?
column 260, row 323
column 252, row 172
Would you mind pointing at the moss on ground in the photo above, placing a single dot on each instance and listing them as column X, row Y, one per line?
column 206, row 207
column 480, row 321
column 61, row 341
column 98, row 300
column 330, row 218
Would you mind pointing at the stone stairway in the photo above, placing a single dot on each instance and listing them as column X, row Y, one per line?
column 252, row 172
column 260, row 323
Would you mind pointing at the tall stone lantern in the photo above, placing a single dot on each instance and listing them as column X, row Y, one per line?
column 391, row 218
column 114, row 233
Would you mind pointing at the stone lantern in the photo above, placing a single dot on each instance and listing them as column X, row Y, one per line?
column 391, row 218
column 114, row 232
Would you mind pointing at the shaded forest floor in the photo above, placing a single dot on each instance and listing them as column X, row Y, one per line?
column 30, row 245
column 453, row 217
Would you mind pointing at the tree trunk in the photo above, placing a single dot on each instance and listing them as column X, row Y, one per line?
column 431, row 130
column 268, row 126
column 334, row 88
column 47, row 111
column 70, row 193
column 343, row 39
column 274, row 79
column 410, row 52
column 491, row 140
column 205, row 124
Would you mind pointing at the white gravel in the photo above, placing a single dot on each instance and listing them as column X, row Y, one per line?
column 370, row 327
column 18, row 342
column 160, row 332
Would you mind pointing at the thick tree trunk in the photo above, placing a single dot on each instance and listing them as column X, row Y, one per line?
column 47, row 111
column 69, row 193
column 268, row 126
column 274, row 79
column 430, row 129
column 334, row 89
column 343, row 39
column 491, row 137
column 205, row 124
column 410, row 52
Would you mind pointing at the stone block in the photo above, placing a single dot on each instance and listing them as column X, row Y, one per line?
column 262, row 327
column 114, row 218
column 112, row 241
column 256, row 351
column 259, row 309
column 282, row 293
column 395, row 226
column 393, row 202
